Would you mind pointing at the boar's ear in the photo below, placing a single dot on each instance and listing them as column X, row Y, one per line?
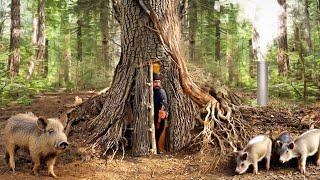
column 291, row 145
column 42, row 123
column 244, row 156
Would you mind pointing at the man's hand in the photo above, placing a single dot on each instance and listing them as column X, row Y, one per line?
column 162, row 114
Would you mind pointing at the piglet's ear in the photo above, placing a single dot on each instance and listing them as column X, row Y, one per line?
column 42, row 123
column 291, row 145
column 244, row 156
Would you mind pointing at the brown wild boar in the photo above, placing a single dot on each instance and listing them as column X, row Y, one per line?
column 258, row 148
column 304, row 146
column 44, row 138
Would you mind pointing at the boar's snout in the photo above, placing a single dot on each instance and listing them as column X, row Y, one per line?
column 62, row 145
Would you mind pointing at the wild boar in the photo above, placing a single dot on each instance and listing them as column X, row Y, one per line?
column 307, row 144
column 44, row 138
column 258, row 148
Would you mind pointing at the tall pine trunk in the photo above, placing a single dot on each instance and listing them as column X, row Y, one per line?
column 41, row 38
column 282, row 57
column 14, row 56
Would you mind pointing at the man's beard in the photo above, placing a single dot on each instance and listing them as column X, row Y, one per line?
column 157, row 87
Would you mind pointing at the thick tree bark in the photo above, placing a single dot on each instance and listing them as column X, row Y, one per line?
column 14, row 57
column 41, row 38
column 282, row 57
column 308, row 26
column 193, row 23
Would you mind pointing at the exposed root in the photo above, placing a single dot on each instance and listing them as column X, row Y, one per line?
column 222, row 130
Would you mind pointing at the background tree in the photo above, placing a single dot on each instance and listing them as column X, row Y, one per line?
column 217, row 10
column 41, row 39
column 308, row 26
column 282, row 57
column 14, row 57
column 193, row 23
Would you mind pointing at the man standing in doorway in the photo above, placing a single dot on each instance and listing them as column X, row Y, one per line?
column 160, row 107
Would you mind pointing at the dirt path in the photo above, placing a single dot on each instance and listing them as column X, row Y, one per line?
column 72, row 165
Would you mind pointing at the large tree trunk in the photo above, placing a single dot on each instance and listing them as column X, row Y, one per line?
column 140, row 46
column 308, row 26
column 41, row 38
column 14, row 57
column 151, row 32
column 282, row 57
column 193, row 23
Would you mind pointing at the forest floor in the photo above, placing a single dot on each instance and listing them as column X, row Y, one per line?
column 72, row 164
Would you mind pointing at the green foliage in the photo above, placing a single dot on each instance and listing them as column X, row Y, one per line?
column 20, row 90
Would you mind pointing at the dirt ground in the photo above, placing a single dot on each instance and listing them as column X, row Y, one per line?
column 72, row 164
